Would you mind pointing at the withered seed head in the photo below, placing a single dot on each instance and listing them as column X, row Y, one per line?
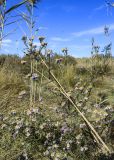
column 49, row 52
column 33, row 1
column 43, row 44
column 1, row 2
column 41, row 39
column 64, row 50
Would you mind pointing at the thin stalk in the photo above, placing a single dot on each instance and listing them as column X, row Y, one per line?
column 81, row 114
column 40, row 90
column 31, row 81
column 66, row 97
column 32, row 63
column 49, row 65
column 35, row 84
column 2, row 21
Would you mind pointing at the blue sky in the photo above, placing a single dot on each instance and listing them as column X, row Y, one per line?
column 65, row 23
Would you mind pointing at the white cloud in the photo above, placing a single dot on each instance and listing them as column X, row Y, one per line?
column 5, row 45
column 80, row 47
column 93, row 31
column 59, row 39
column 99, row 8
column 37, row 44
column 43, row 28
column 96, row 10
column 7, row 41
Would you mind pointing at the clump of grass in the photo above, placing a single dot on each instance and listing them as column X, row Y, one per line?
column 67, row 77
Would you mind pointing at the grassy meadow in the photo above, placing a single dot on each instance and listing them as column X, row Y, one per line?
column 52, row 106
column 53, row 118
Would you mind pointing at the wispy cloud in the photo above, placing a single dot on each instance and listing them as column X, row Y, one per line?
column 80, row 47
column 59, row 39
column 43, row 28
column 93, row 31
column 79, row 50
column 52, row 45
column 37, row 44
column 96, row 10
column 99, row 8
column 68, row 8
column 6, row 42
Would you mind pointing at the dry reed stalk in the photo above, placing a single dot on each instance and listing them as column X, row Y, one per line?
column 93, row 131
column 40, row 89
column 31, row 89
column 66, row 97
column 35, row 84
column 32, row 61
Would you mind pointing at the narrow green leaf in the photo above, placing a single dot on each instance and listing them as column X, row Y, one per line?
column 13, row 22
column 26, row 18
column 15, row 6
column 29, row 9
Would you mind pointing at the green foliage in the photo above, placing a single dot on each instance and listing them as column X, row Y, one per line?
column 15, row 7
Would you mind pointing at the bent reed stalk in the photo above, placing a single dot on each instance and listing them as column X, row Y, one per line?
column 93, row 131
